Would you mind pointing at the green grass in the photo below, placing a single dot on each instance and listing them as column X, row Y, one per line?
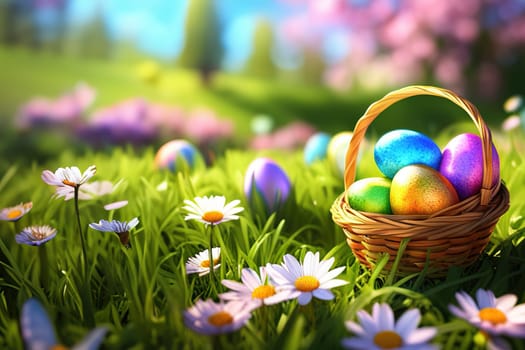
column 27, row 73
column 141, row 293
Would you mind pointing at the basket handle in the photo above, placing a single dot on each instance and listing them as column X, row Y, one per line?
column 389, row 99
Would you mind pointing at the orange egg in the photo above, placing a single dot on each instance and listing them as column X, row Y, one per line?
column 420, row 189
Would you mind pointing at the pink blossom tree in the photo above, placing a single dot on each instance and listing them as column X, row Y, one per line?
column 468, row 45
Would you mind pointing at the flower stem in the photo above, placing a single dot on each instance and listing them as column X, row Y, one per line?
column 87, row 303
column 44, row 266
column 210, row 257
column 82, row 240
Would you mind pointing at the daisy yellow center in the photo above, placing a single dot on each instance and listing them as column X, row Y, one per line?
column 388, row 340
column 263, row 292
column 69, row 183
column 38, row 235
column 206, row 263
column 212, row 216
column 492, row 315
column 14, row 213
column 307, row 283
column 221, row 318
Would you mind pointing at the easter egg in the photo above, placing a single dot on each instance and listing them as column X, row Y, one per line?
column 420, row 189
column 265, row 181
column 336, row 152
column 177, row 155
column 371, row 194
column 399, row 148
column 316, row 147
column 462, row 164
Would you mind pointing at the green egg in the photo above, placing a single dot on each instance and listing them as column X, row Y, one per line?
column 370, row 194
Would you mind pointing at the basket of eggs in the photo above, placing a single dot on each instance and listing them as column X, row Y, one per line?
column 441, row 206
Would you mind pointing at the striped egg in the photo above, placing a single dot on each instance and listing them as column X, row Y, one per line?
column 178, row 155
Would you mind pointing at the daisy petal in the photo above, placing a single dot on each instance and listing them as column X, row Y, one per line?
column 304, row 298
column 323, row 294
column 421, row 335
column 356, row 343
column 408, row 322
column 485, row 298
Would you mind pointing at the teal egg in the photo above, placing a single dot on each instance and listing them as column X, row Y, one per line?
column 399, row 148
column 316, row 147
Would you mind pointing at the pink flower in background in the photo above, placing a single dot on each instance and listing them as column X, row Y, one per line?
column 203, row 126
column 290, row 136
column 169, row 120
column 66, row 110
column 123, row 123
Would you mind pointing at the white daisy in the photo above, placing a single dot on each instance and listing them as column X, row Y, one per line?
column 121, row 228
column 15, row 213
column 88, row 191
column 307, row 280
column 212, row 210
column 36, row 235
column 200, row 263
column 208, row 317
column 255, row 290
column 493, row 316
column 69, row 176
column 380, row 331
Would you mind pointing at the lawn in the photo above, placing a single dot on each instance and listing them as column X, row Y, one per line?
column 139, row 294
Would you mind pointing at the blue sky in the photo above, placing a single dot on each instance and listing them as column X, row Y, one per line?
column 157, row 25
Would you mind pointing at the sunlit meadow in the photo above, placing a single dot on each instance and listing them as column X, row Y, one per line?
column 108, row 242
column 140, row 291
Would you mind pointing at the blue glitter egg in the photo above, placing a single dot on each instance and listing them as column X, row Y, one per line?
column 316, row 147
column 178, row 155
column 266, row 181
column 399, row 148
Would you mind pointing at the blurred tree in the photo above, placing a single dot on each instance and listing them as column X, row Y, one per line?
column 202, row 44
column 94, row 38
column 49, row 19
column 4, row 22
column 260, row 62
column 313, row 66
column 89, row 39
column 16, row 24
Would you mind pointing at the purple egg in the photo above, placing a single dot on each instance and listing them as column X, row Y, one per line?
column 462, row 164
column 265, row 180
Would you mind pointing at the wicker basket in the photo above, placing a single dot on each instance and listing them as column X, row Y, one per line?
column 455, row 236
